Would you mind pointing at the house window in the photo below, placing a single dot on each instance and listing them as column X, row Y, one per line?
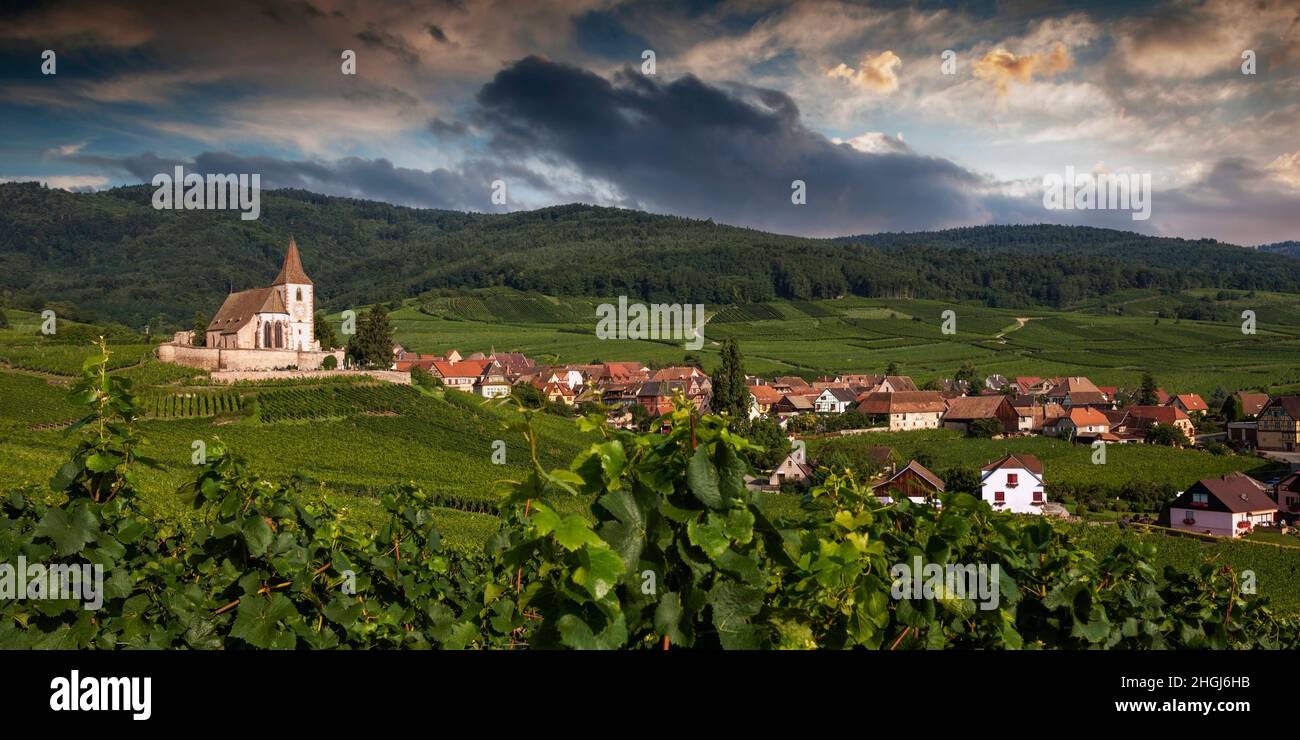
column 1038, row 497
column 1013, row 479
column 1000, row 496
column 1200, row 499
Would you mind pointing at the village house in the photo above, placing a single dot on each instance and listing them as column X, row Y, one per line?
column 794, row 467
column 1077, row 391
column 1034, row 416
column 1142, row 418
column 792, row 404
column 1278, row 424
column 763, row 398
column 1189, row 403
column 834, row 400
column 905, row 410
column 1287, row 497
column 962, row 412
column 1243, row 405
column 1014, row 483
column 462, row 376
column 913, row 482
column 1230, row 506
column 559, row 393
column 1085, row 423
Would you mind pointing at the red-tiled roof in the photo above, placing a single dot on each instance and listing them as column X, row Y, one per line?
column 1252, row 403
column 1192, row 402
column 974, row 407
column 1016, row 460
column 1158, row 414
column 903, row 402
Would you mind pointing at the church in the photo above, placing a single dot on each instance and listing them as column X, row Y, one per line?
column 279, row 317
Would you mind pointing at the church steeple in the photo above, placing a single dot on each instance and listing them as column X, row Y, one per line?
column 292, row 271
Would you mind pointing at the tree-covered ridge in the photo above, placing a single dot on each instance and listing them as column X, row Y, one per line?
column 112, row 256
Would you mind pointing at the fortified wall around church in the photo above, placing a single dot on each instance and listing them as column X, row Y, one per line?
column 223, row 358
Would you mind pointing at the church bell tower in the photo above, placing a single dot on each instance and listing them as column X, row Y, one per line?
column 298, row 294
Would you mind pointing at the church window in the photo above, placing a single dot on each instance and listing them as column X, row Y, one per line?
column 266, row 338
column 279, row 336
column 300, row 295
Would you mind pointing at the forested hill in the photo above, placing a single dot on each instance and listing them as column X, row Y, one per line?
column 1288, row 248
column 112, row 256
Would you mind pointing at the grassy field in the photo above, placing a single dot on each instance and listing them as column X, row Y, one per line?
column 855, row 334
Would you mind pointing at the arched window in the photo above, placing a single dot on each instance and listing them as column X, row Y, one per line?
column 266, row 336
column 279, row 335
column 300, row 295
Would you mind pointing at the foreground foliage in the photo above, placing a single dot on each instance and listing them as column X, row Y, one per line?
column 676, row 552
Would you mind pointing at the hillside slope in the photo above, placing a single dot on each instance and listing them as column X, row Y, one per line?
column 112, row 256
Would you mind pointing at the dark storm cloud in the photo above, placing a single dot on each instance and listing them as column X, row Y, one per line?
column 440, row 127
column 729, row 153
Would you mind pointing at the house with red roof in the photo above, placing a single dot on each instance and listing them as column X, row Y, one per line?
column 1014, row 483
column 1230, row 506
column 1190, row 403
column 905, row 409
column 962, row 412
column 1142, row 418
column 1084, row 423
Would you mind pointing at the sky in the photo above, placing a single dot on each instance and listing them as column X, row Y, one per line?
column 893, row 116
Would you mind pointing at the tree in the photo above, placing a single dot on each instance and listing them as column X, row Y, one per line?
column 372, row 345
column 200, row 330
column 984, row 428
column 4, row 320
column 961, row 479
column 1167, row 435
column 892, row 369
column 1147, row 394
column 690, row 359
column 531, row 396
column 641, row 417
column 730, row 393
column 324, row 332
column 768, row 435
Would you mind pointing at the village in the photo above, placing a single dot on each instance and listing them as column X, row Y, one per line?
column 1072, row 408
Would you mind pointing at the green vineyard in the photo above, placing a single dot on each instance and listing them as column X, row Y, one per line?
column 191, row 405
column 326, row 402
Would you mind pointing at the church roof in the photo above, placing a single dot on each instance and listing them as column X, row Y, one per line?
column 292, row 271
column 240, row 308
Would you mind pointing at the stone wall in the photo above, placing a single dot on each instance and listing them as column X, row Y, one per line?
column 217, row 358
column 231, row 376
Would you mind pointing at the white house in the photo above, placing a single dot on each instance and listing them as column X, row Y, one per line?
column 794, row 467
column 834, row 400
column 1014, row 483
column 1230, row 506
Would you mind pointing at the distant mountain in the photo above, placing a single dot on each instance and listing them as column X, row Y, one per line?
column 111, row 256
column 1288, row 248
